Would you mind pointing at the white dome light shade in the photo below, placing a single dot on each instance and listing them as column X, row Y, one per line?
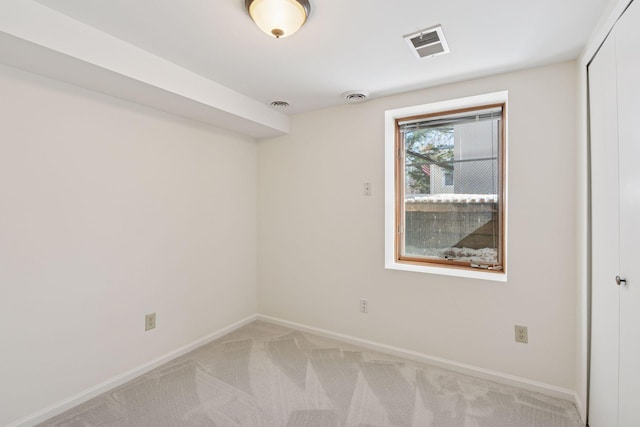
column 278, row 18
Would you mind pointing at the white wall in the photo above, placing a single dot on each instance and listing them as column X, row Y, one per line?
column 110, row 210
column 321, row 241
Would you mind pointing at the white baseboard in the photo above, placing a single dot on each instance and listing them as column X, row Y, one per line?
column 499, row 377
column 114, row 382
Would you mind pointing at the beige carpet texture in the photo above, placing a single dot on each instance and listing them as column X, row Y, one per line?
column 266, row 375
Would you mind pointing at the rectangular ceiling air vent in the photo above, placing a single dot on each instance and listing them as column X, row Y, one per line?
column 427, row 43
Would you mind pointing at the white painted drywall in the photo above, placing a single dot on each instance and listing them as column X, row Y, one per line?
column 110, row 210
column 321, row 241
column 36, row 38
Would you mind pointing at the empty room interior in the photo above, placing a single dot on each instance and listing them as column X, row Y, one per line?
column 319, row 213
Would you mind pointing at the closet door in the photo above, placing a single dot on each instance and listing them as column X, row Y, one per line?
column 603, row 396
column 628, row 71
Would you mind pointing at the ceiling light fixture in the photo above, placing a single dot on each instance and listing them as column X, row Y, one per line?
column 278, row 18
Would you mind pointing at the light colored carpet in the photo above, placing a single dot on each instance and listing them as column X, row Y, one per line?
column 265, row 375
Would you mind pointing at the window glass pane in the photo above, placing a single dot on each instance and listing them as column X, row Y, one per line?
column 451, row 188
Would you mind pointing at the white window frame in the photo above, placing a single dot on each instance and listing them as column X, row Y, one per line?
column 390, row 185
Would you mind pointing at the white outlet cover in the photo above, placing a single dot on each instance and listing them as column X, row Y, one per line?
column 521, row 334
column 149, row 321
column 366, row 189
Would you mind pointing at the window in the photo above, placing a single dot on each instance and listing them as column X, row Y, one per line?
column 445, row 179
column 448, row 177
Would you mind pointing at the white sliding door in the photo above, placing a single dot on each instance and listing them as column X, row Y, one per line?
column 603, row 397
column 614, row 102
column 628, row 69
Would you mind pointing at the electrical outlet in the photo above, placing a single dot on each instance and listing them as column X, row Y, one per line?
column 521, row 334
column 366, row 189
column 149, row 321
column 364, row 306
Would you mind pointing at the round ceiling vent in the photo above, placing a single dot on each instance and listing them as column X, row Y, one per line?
column 280, row 104
column 354, row 96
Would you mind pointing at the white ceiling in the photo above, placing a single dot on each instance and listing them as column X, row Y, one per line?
column 345, row 44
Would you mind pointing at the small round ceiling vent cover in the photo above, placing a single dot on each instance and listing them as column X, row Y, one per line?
column 354, row 96
column 280, row 104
